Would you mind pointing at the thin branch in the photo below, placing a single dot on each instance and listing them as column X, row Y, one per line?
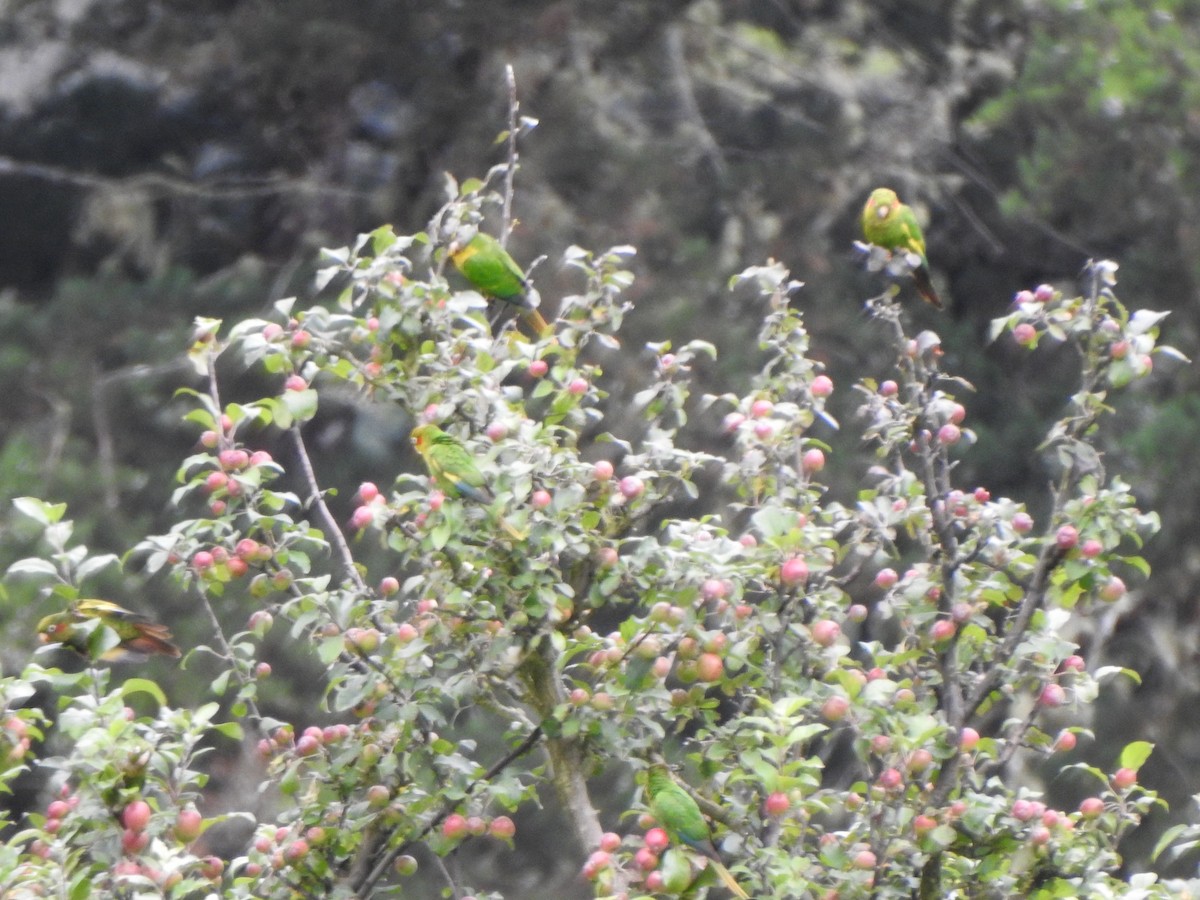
column 687, row 99
column 385, row 862
column 166, row 185
column 336, row 538
column 510, row 171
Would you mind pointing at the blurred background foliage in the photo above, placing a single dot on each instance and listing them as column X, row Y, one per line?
column 163, row 159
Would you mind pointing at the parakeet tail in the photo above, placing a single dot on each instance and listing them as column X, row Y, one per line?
column 537, row 322
column 511, row 530
column 925, row 287
column 728, row 880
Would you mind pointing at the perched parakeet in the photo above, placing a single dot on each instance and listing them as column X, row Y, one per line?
column 138, row 636
column 494, row 273
column 890, row 224
column 679, row 815
column 453, row 469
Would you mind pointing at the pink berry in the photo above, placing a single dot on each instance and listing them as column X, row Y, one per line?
column 188, row 824
column 1067, row 537
column 857, row 612
column 454, row 826
column 1091, row 548
column 763, row 430
column 1043, row 293
column 1052, row 695
column 822, row 386
column 656, row 840
column 825, row 632
column 610, row 841
column 540, row 499
column 1025, row 334
column 942, row 630
column 295, row 383
column 982, row 495
column 835, row 708
column 890, row 779
column 1023, row 810
column 886, row 578
column 864, row 859
column 949, row 434
column 538, row 368
column 362, row 517
column 813, row 460
column 713, row 589
column 968, row 739
column 1022, row 522
column 202, row 560
column 645, row 860
column 1023, row 297
column 367, row 491
column 761, row 408
column 793, row 572
column 958, row 412
column 602, row 470
column 502, row 827
column 388, row 586
column 777, row 803
column 1113, row 590
column 1124, row 779
column 631, row 486
column 1091, row 807
column 889, row 388
column 496, row 431
column 732, row 422
column 136, row 815
column 577, row 387
column 1065, row 741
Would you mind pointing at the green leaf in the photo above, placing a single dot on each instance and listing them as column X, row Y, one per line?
column 1168, row 838
column 230, row 730
column 144, row 686
column 302, row 405
column 39, row 510
column 1135, row 754
column 33, row 566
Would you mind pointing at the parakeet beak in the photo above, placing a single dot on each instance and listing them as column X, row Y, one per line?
column 882, row 210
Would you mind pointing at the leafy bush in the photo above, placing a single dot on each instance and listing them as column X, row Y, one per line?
column 846, row 684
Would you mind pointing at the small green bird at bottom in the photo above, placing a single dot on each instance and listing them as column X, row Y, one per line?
column 138, row 637
column 454, row 470
column 494, row 273
column 890, row 224
column 680, row 816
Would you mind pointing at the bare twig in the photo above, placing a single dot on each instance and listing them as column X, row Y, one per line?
column 687, row 98
column 165, row 185
column 511, row 169
column 336, row 538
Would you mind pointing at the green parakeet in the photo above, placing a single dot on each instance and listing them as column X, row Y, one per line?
column 454, row 471
column 494, row 273
column 890, row 224
column 138, row 637
column 679, row 815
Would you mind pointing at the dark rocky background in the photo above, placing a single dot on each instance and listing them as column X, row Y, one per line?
column 161, row 160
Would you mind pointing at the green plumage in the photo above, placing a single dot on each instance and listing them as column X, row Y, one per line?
column 680, row 816
column 494, row 273
column 890, row 224
column 137, row 636
column 454, row 470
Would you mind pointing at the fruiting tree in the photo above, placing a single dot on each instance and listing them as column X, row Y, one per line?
column 843, row 683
